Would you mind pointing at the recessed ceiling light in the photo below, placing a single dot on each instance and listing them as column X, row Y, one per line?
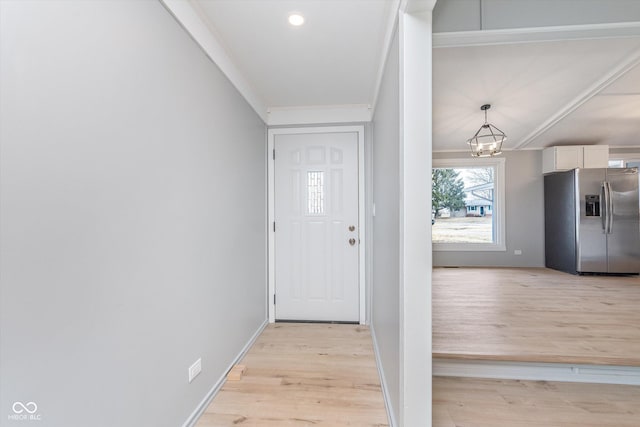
column 296, row 19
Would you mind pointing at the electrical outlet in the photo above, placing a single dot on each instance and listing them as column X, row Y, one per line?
column 517, row 252
column 195, row 369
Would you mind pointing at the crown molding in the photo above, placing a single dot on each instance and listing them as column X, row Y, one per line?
column 536, row 34
column 598, row 86
column 193, row 23
column 319, row 114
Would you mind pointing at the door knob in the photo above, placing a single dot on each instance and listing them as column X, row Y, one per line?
column 352, row 241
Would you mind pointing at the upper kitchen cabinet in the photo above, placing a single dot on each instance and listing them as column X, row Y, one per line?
column 556, row 159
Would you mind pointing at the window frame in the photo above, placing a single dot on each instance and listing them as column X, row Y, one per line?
column 624, row 157
column 498, row 209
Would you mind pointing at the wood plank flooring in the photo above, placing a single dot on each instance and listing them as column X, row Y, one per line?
column 536, row 315
column 468, row 402
column 304, row 374
column 325, row 375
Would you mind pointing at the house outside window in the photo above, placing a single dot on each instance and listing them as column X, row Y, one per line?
column 624, row 160
column 468, row 204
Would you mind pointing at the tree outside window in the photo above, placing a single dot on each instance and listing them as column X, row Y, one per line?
column 468, row 204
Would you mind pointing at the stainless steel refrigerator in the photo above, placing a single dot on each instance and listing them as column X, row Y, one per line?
column 592, row 222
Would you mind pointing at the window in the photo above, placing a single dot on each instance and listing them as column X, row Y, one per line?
column 624, row 160
column 315, row 192
column 468, row 204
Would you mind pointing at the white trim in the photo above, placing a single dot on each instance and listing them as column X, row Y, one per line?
column 383, row 381
column 562, row 372
column 195, row 25
column 319, row 114
column 457, row 150
column 415, row 123
column 598, row 86
column 268, row 227
column 500, row 243
column 204, row 403
column 362, row 229
column 463, row 150
column 368, row 169
column 535, row 34
column 359, row 129
column 271, row 217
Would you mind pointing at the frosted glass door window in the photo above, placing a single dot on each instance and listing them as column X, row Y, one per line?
column 315, row 192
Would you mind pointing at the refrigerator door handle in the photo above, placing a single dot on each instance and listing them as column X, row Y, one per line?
column 603, row 207
column 609, row 209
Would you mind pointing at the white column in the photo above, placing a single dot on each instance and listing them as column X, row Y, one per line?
column 415, row 219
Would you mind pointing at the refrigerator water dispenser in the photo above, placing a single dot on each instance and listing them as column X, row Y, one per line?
column 592, row 205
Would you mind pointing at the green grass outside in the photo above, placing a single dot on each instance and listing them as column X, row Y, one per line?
column 462, row 230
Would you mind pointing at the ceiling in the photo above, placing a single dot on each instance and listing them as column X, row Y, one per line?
column 564, row 90
column 332, row 59
column 542, row 94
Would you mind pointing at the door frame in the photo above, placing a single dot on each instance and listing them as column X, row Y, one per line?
column 271, row 137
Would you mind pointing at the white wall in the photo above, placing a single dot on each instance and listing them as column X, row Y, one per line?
column 401, row 288
column 524, row 216
column 385, row 320
column 132, row 215
column 415, row 212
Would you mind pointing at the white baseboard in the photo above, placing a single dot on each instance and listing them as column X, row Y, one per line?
column 383, row 382
column 599, row 374
column 193, row 418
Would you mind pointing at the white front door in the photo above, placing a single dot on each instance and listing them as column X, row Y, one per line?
column 316, row 223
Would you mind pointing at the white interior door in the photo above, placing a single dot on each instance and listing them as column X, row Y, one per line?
column 316, row 223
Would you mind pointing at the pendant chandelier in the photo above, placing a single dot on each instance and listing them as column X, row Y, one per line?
column 488, row 139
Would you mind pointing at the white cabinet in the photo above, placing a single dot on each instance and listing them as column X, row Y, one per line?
column 555, row 159
column 596, row 156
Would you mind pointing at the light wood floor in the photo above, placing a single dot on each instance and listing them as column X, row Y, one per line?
column 467, row 402
column 536, row 315
column 304, row 374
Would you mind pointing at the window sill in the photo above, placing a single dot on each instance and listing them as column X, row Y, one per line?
column 469, row 247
